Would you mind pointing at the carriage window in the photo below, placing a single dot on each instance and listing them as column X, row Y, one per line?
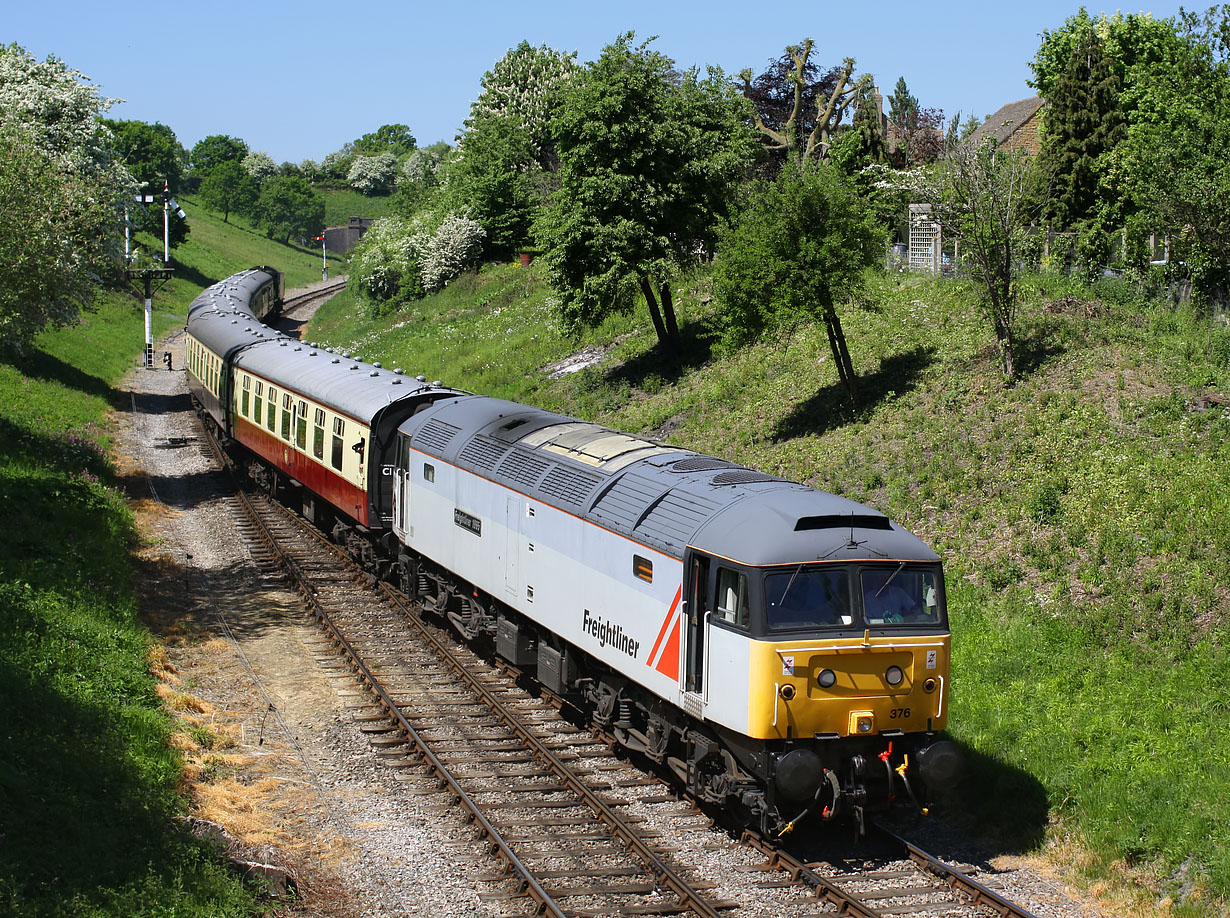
column 244, row 410
column 285, row 415
column 301, row 432
column 339, row 428
column 732, row 597
column 318, row 434
column 271, row 421
column 642, row 568
column 260, row 388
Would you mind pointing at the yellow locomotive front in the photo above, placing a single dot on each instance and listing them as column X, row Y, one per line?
column 847, row 664
column 848, row 681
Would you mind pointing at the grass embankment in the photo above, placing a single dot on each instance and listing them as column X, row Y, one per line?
column 343, row 203
column 88, row 782
column 1081, row 514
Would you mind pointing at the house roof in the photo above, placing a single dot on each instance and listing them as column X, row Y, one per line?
column 1008, row 121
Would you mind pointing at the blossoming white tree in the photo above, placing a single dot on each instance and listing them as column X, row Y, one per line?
column 373, row 174
column 62, row 193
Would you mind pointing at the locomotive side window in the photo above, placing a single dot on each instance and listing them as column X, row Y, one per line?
column 318, row 434
column 271, row 420
column 732, row 597
column 642, row 568
column 339, row 429
column 429, row 472
column 285, row 415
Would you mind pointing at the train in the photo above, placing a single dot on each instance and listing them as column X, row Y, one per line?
column 783, row 652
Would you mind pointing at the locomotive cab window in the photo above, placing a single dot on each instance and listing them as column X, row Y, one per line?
column 808, row 597
column 901, row 595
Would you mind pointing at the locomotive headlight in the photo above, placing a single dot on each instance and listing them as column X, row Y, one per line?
column 893, row 675
column 862, row 722
column 827, row 678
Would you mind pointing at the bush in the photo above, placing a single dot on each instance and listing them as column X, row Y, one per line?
column 455, row 246
column 385, row 265
column 373, row 174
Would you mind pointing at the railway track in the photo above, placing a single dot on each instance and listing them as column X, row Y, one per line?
column 299, row 308
column 506, row 758
column 548, row 801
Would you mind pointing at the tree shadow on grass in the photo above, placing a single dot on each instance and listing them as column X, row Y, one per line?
column 41, row 365
column 832, row 406
column 695, row 349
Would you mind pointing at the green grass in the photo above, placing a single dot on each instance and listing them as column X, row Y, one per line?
column 343, row 203
column 1081, row 514
column 87, row 778
column 88, row 782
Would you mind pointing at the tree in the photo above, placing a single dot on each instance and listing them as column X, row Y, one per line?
column 986, row 198
column 384, row 266
column 208, row 153
column 797, row 250
column 456, row 245
column 373, row 174
column 229, row 188
column 1083, row 125
column 62, row 193
column 1178, row 171
column 394, row 139
column 811, row 120
column 648, row 162
column 153, row 156
column 289, row 207
column 260, row 166
column 902, row 106
column 506, row 155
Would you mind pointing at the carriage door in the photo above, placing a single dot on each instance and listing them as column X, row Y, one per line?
column 401, row 487
column 697, row 624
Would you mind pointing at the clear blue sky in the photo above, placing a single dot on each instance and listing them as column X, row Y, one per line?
column 297, row 81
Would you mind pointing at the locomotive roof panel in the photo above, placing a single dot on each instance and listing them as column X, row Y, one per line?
column 659, row 495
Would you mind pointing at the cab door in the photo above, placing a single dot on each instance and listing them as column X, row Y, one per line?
column 696, row 625
column 401, row 488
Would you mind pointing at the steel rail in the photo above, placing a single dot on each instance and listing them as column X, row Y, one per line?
column 968, row 886
column 662, row 871
column 664, row 875
column 529, row 885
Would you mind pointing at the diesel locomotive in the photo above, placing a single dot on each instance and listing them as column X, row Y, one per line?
column 783, row 651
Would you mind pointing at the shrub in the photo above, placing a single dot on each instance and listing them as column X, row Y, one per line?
column 455, row 245
column 373, row 174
